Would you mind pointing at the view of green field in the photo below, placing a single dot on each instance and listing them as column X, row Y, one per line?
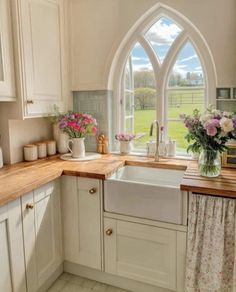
column 181, row 103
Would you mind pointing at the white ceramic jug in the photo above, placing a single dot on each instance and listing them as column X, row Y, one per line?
column 78, row 149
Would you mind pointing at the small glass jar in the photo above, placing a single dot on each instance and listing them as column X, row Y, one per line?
column 51, row 147
column 30, row 152
column 209, row 163
column 42, row 149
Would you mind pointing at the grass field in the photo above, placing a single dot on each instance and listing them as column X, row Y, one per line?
column 176, row 130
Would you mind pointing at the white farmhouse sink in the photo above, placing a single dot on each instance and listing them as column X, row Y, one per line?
column 151, row 193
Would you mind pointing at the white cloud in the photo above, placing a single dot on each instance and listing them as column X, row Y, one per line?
column 188, row 58
column 142, row 67
column 161, row 33
column 139, row 59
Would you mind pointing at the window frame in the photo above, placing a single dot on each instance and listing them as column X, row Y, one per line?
column 136, row 34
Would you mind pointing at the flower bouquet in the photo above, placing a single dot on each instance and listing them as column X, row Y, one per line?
column 78, row 126
column 125, row 142
column 209, row 133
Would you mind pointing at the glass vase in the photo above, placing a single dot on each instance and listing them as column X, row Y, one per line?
column 209, row 163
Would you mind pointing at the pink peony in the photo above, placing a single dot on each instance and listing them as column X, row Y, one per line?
column 211, row 126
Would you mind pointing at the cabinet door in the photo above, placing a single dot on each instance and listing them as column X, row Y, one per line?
column 81, row 201
column 12, row 265
column 7, row 78
column 42, row 23
column 42, row 234
column 141, row 252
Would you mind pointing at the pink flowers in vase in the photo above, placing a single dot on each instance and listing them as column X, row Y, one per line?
column 125, row 137
column 78, row 125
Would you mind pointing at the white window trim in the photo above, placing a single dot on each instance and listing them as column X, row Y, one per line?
column 135, row 35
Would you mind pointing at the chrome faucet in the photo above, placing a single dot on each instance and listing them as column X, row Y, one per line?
column 156, row 157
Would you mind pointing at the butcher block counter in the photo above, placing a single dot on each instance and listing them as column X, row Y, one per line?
column 23, row 177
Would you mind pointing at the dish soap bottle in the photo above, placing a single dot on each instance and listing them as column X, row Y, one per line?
column 171, row 148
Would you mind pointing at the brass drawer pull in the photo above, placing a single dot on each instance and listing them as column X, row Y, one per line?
column 109, row 232
column 29, row 206
column 92, row 191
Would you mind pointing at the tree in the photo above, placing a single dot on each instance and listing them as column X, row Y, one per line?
column 144, row 79
column 145, row 98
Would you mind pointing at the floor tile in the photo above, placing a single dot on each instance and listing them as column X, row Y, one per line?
column 71, row 283
column 57, row 286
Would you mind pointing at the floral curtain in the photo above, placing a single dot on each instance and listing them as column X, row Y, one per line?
column 211, row 245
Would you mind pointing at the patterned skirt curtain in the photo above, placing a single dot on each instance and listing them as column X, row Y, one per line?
column 211, row 246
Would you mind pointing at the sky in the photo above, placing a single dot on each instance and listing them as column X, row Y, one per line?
column 161, row 36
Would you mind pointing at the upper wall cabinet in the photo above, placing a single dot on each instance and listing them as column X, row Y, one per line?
column 41, row 33
column 7, row 78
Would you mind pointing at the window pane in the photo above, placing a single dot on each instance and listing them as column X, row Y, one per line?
column 129, row 125
column 186, row 92
column 144, row 94
column 143, row 120
column 128, row 76
column 184, row 100
column 187, row 71
column 177, row 131
column 129, row 103
column 162, row 35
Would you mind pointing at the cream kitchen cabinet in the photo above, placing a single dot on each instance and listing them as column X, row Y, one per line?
column 40, row 58
column 42, row 234
column 7, row 77
column 12, row 267
column 41, row 29
column 42, row 51
column 145, row 253
column 82, row 232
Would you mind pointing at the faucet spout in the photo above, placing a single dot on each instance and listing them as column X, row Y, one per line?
column 157, row 138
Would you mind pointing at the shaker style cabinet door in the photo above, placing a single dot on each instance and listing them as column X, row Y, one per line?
column 7, row 77
column 81, row 201
column 141, row 252
column 12, row 266
column 42, row 234
column 42, row 42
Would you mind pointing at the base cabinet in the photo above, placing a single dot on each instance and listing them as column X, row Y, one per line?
column 148, row 254
column 42, row 234
column 12, row 266
column 81, row 201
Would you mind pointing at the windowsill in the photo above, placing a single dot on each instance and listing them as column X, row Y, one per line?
column 142, row 154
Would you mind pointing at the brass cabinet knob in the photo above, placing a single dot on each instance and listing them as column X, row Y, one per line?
column 29, row 206
column 30, row 101
column 109, row 232
column 92, row 191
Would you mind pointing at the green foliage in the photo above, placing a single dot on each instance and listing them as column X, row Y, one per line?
column 145, row 98
column 144, row 79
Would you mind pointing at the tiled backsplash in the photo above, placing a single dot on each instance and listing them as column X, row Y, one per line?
column 98, row 103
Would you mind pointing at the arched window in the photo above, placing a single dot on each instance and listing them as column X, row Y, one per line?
column 163, row 76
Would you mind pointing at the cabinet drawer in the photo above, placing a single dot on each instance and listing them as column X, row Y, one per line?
column 87, row 184
column 141, row 252
column 44, row 191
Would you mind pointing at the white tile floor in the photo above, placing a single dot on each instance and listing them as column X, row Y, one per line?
column 70, row 283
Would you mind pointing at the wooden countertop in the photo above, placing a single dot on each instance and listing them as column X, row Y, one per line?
column 224, row 185
column 23, row 177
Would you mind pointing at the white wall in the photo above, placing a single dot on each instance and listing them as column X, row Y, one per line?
column 25, row 132
column 16, row 133
column 97, row 28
